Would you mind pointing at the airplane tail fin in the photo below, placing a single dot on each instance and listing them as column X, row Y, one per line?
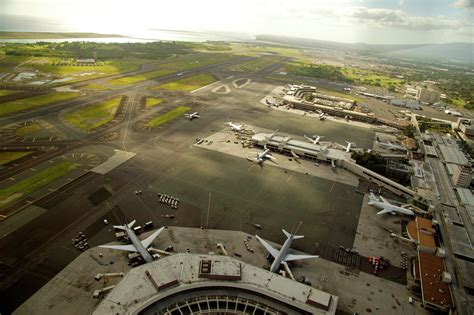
column 295, row 237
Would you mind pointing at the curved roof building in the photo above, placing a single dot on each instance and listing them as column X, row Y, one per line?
column 193, row 283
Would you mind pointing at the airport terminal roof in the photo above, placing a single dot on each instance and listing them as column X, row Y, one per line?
column 430, row 267
column 421, row 230
column 452, row 154
column 465, row 196
column 178, row 279
column 434, row 290
column 302, row 146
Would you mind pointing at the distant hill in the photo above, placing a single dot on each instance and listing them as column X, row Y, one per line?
column 461, row 52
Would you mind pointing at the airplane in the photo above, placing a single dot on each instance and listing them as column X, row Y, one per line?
column 262, row 157
column 193, row 115
column 348, row 147
column 281, row 256
column 314, row 140
column 271, row 103
column 137, row 245
column 391, row 146
column 387, row 207
column 235, row 127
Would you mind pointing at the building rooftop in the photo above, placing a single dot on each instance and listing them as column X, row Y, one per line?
column 465, row 196
column 136, row 292
column 302, row 146
column 452, row 154
column 434, row 290
column 422, row 230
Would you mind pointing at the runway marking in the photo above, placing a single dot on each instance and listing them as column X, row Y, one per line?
column 333, row 183
column 11, row 178
column 290, row 177
column 250, row 167
column 3, row 216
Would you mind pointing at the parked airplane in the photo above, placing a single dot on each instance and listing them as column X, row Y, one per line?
column 137, row 245
column 262, row 157
column 390, row 146
column 387, row 207
column 282, row 255
column 314, row 140
column 348, row 147
column 271, row 103
column 193, row 115
column 235, row 127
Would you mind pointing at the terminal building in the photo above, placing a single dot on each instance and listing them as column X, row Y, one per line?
column 210, row 284
column 324, row 153
column 427, row 95
column 429, row 270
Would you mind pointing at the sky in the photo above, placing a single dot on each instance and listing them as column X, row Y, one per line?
column 366, row 21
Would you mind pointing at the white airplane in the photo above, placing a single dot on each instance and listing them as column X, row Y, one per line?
column 314, row 140
column 193, row 115
column 282, row 255
column 348, row 147
column 137, row 245
column 262, row 157
column 235, row 127
column 387, row 207
column 391, row 146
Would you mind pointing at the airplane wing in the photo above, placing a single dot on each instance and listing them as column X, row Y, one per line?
column 385, row 200
column 128, row 248
column 267, row 246
column 268, row 156
column 291, row 257
column 384, row 211
column 147, row 241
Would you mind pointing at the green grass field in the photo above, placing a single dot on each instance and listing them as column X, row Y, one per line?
column 152, row 101
column 9, row 62
column 95, row 86
column 40, row 179
column 369, row 77
column 35, row 101
column 28, row 129
column 171, row 67
column 166, row 117
column 6, row 157
column 92, row 116
column 132, row 79
column 188, row 84
column 7, row 92
column 257, row 64
column 50, row 65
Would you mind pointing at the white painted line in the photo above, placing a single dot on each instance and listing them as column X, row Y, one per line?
column 11, row 178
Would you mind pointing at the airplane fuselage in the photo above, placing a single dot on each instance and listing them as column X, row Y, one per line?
column 138, row 244
column 281, row 255
column 391, row 208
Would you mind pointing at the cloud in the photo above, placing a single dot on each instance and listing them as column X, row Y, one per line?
column 400, row 19
column 467, row 5
column 401, row 2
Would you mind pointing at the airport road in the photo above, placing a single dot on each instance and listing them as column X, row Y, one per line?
column 54, row 109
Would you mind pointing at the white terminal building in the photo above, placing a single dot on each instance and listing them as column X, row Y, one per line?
column 305, row 149
column 210, row 284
